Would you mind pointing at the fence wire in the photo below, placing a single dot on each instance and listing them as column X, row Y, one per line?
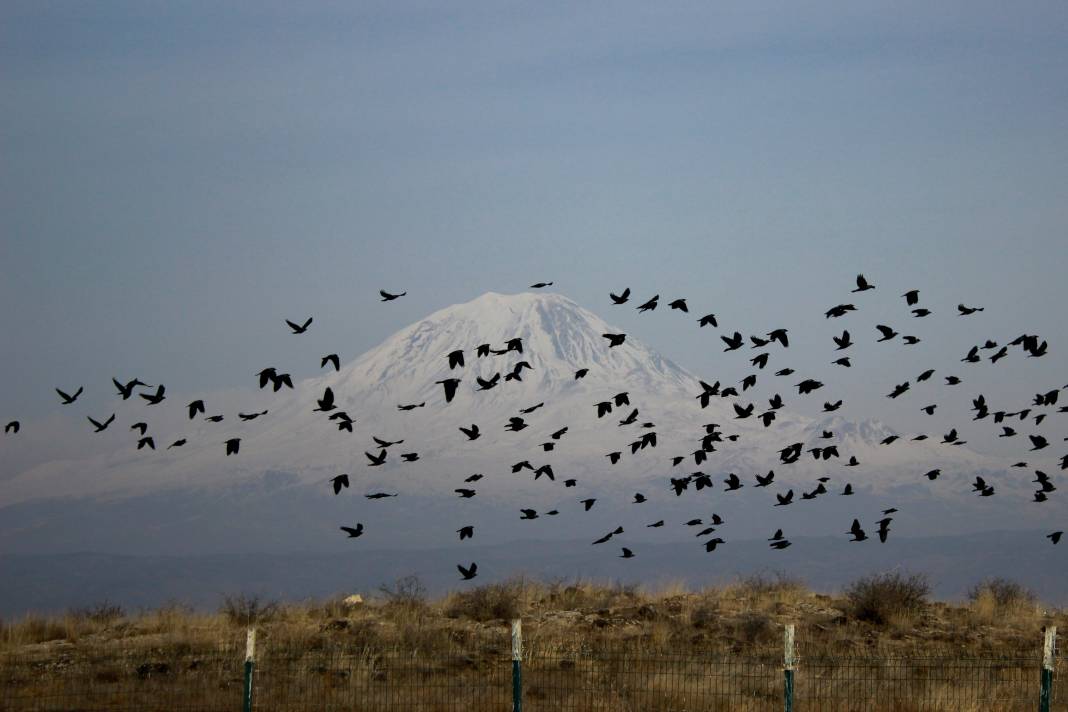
column 477, row 677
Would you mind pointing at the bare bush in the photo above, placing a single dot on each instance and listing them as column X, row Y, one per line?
column 485, row 603
column 998, row 596
column 245, row 609
column 102, row 612
column 883, row 598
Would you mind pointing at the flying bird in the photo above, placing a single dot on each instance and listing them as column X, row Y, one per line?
column 156, row 398
column 339, row 481
column 330, row 358
column 101, row 427
column 468, row 573
column 387, row 297
column 299, row 328
column 232, row 446
column 620, row 298
column 353, row 532
column 862, row 284
column 68, row 399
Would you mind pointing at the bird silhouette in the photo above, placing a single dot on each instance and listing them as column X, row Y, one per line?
column 627, row 553
column 450, row 385
column 541, row 285
column 706, row 320
column 12, row 427
column 965, row 311
column 339, row 481
column 375, row 461
column 649, row 305
column 387, row 297
column 733, row 342
column 233, row 445
column 620, row 298
column 912, row 297
column 299, row 328
column 353, row 532
column 142, row 427
column 330, row 358
column 101, row 427
column 195, row 407
column 857, row 532
column 466, row 532
column 156, row 398
column 862, row 284
column 146, row 441
column 613, row 340
column 127, row 390
column 468, row 573
column 472, row 433
column 68, row 399
column 326, row 403
column 679, row 304
column 886, row 331
column 177, row 443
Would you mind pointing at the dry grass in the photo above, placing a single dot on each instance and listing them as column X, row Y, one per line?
column 582, row 636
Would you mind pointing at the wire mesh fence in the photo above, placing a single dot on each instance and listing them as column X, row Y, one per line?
column 476, row 675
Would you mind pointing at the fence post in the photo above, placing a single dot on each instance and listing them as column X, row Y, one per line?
column 517, row 659
column 789, row 661
column 250, row 663
column 1048, row 649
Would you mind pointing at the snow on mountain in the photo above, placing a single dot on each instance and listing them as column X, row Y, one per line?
column 558, row 338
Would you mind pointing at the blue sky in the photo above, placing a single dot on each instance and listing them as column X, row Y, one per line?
column 177, row 178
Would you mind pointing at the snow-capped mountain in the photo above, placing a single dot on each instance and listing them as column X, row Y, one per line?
column 303, row 449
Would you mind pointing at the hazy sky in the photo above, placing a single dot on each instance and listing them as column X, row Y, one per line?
column 177, row 178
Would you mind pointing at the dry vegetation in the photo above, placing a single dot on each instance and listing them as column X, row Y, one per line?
column 568, row 622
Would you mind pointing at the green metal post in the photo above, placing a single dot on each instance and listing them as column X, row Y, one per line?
column 517, row 670
column 250, row 664
column 789, row 663
column 1048, row 649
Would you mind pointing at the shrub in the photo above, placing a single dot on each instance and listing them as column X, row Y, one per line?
column 248, row 609
column 487, row 603
column 777, row 584
column 1000, row 595
column 881, row 598
column 407, row 592
column 103, row 612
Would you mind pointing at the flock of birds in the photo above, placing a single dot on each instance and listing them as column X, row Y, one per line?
column 707, row 440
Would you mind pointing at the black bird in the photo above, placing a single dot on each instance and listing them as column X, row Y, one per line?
column 886, row 331
column 884, row 529
column 450, row 385
column 613, row 340
column 965, row 311
column 743, row 412
column 857, row 532
column 330, row 358
column 920, row 313
column 784, row 499
column 266, row 375
column 910, row 340
column 528, row 514
column 466, row 532
column 1054, row 537
column 411, row 406
column 353, row 532
column 912, row 297
column 839, row 310
column 299, row 328
column 831, row 407
column 587, row 503
column 472, row 433
column 376, row 461
column 339, row 481
column 127, row 390
column 482, row 350
column 808, row 385
column 898, row 390
column 848, row 490
column 638, row 498
column 146, row 442
column 630, row 418
column 68, row 399
column 620, row 298
column 655, row 525
column 281, row 379
column 379, row 495
column 410, row 456
column 470, row 572
column 465, row 493
column 383, row 444
column 456, row 358
column 952, row 380
column 541, row 285
column 177, row 443
column 101, row 427
column 603, row 408
column 1038, row 442
column 558, row 434
column 766, row 479
column 143, row 427
column 933, row 474
column 862, row 284
column 12, row 427
column 232, row 446
column 707, row 319
column 326, row 402
column 581, row 373
column 613, row 457
column 515, row 424
column 780, row 545
column 627, row 553
column 929, row 409
column 925, row 375
column 784, row 372
column 649, row 305
column 195, row 407
column 156, row 398
column 733, row 342
column 679, row 304
column 487, row 384
column 711, row 544
column 387, row 297
column 733, row 483
column 842, row 341
column 252, row 416
column 760, row 361
column 844, row 361
column 473, row 478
